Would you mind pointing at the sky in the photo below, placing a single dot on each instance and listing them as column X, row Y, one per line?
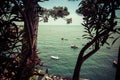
column 71, row 5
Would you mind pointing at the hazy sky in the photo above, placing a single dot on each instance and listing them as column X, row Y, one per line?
column 71, row 5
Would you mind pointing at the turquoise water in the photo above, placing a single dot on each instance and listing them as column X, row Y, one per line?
column 98, row 67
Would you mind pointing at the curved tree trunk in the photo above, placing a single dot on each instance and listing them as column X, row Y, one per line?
column 82, row 56
column 77, row 68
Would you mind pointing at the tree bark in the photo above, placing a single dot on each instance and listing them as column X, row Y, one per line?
column 77, row 68
column 29, row 54
column 118, row 67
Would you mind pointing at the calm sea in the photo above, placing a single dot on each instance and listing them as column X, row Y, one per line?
column 97, row 67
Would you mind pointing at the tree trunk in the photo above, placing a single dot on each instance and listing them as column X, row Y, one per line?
column 118, row 67
column 76, row 74
column 29, row 54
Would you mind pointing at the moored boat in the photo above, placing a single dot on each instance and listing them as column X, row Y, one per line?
column 54, row 57
column 74, row 46
column 115, row 63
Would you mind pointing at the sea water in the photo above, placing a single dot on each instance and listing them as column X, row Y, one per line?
column 97, row 67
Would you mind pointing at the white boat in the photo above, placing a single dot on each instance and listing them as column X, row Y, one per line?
column 74, row 47
column 54, row 57
column 115, row 63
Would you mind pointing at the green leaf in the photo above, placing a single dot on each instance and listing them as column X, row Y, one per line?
column 115, row 40
column 107, row 43
column 111, row 37
column 84, row 35
column 85, row 31
column 88, row 37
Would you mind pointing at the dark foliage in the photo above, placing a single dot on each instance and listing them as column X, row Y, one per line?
column 56, row 12
column 98, row 17
column 10, row 40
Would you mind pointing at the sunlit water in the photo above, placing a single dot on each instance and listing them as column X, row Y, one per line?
column 97, row 67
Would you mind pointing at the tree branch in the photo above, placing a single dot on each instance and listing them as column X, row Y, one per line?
column 92, row 42
column 90, row 53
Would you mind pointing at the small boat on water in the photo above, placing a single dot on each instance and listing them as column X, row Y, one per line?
column 54, row 57
column 108, row 47
column 74, row 47
column 115, row 63
column 64, row 39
